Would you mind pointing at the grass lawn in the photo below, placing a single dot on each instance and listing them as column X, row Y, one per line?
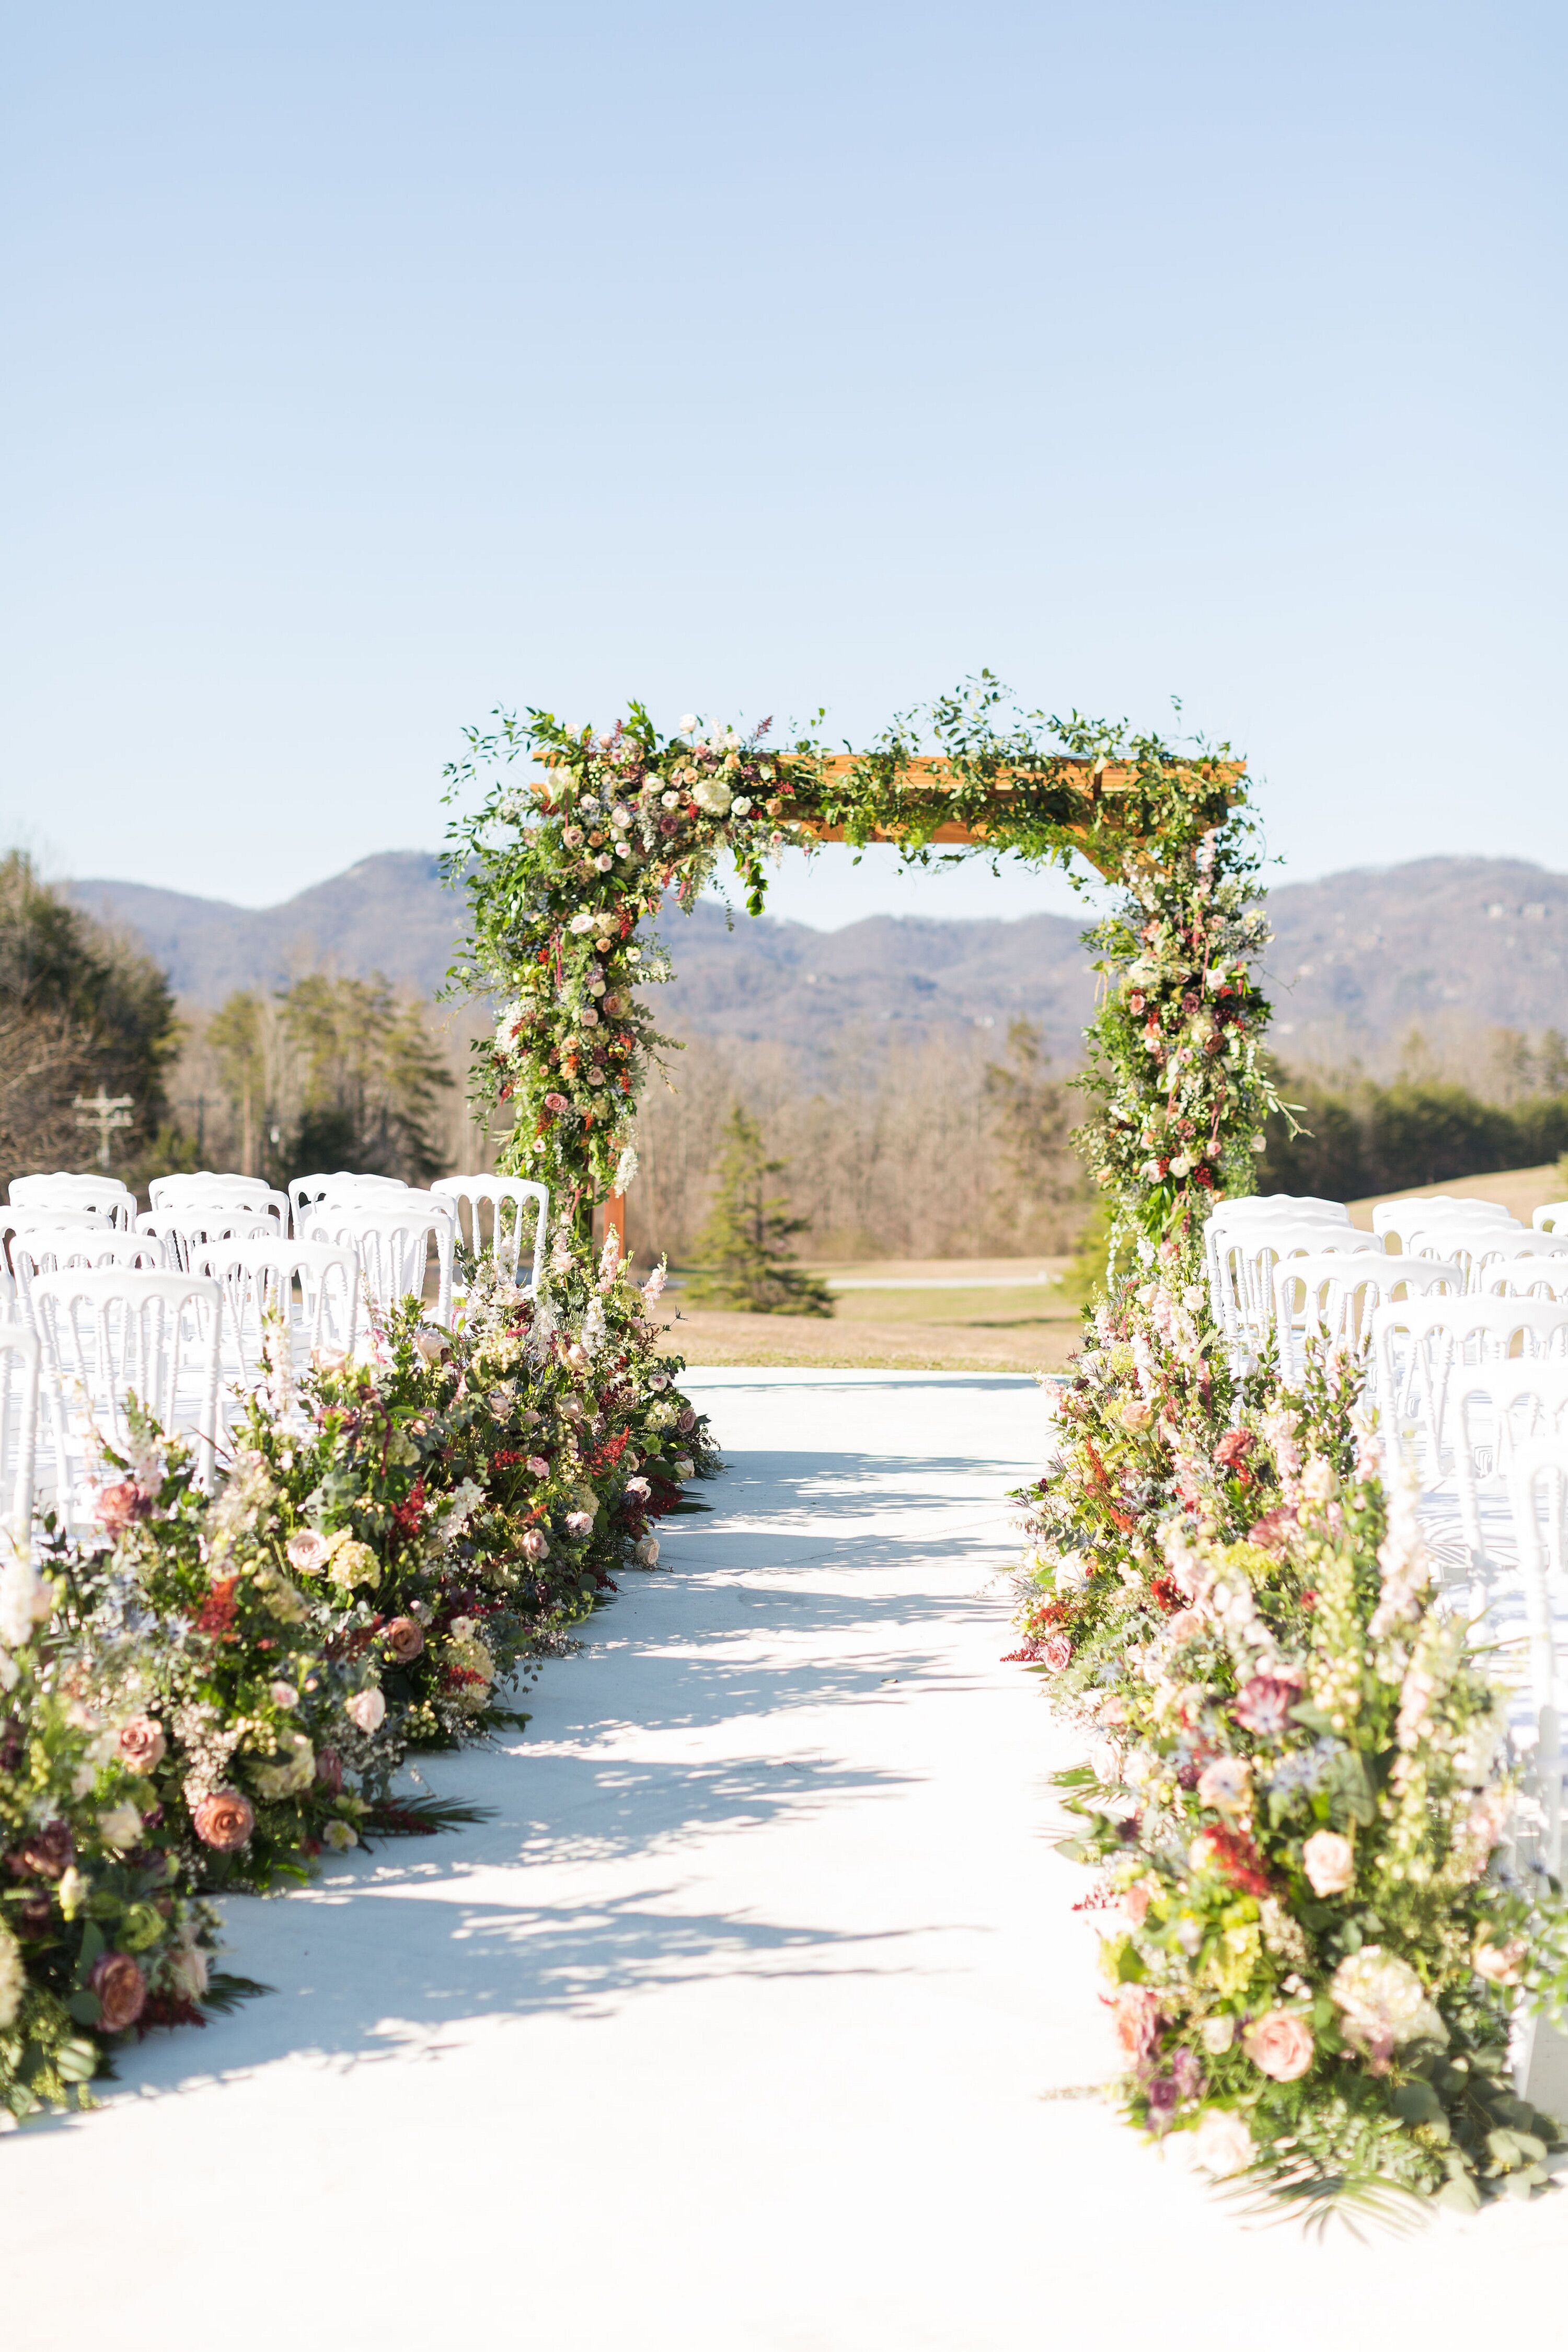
column 1028, row 1327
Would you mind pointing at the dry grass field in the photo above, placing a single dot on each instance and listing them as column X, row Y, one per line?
column 978, row 1315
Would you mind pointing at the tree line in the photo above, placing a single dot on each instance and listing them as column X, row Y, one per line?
column 326, row 1072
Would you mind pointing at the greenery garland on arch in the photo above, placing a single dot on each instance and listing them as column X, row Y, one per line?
column 566, row 869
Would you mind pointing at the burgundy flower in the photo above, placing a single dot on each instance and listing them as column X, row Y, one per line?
column 121, row 1990
column 45, row 1853
column 330, row 1771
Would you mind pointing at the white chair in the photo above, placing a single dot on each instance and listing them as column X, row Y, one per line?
column 1500, row 1409
column 233, row 1192
column 54, row 1249
column 393, row 1245
column 1456, row 1238
column 191, row 1226
column 1538, row 1499
column 259, row 1278
column 494, row 1207
column 1233, row 1219
column 1551, row 1217
column 1246, row 1257
column 1338, row 1291
column 1419, row 1344
column 1512, row 1261
column 19, row 1360
column 107, row 1334
column 52, row 1221
column 1293, row 1204
column 307, row 1193
column 63, row 1191
column 1401, row 1217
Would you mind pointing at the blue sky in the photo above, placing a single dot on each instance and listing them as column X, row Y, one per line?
column 374, row 364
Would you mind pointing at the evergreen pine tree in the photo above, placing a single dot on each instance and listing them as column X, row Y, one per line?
column 742, row 1249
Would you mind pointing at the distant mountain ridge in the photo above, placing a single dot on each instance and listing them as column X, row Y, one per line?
column 1359, row 958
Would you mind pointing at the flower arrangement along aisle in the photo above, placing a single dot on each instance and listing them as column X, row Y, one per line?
column 1301, row 1790
column 101, row 1932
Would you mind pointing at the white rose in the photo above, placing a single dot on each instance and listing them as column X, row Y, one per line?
column 1222, row 2143
column 121, row 1826
column 742, row 806
column 367, row 1708
column 581, row 923
column 689, row 724
column 648, row 1552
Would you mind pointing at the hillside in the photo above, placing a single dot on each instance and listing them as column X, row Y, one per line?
column 1360, row 957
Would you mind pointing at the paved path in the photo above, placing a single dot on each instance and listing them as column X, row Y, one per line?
column 745, row 2022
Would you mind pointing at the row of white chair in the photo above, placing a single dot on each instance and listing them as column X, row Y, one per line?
column 484, row 1211
column 171, row 1306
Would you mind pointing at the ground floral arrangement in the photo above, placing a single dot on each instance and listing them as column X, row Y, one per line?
column 218, row 1688
column 1301, row 1803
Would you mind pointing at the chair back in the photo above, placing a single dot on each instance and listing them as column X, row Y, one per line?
column 1551, row 1217
column 1538, row 1506
column 1330, row 1294
column 19, row 1360
column 190, row 1226
column 490, row 1213
column 108, row 1333
column 63, row 1191
column 393, row 1246
column 260, row 1278
column 51, row 1249
column 306, row 1193
column 1421, row 1343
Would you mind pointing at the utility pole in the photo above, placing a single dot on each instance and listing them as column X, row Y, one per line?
column 106, row 1112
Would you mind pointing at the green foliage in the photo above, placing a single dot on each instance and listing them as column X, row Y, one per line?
column 96, row 1012
column 742, row 1247
column 353, row 1063
column 1361, row 1138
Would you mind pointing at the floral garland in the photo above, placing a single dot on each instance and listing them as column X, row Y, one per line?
column 220, row 1687
column 1302, row 1786
column 562, row 872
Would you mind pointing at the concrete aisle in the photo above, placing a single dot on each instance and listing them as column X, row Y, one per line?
column 745, row 2020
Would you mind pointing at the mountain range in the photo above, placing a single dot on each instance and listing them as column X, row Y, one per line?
column 1359, row 959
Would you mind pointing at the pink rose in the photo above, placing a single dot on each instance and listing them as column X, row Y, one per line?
column 1135, row 2018
column 1135, row 1906
column 1185, row 1626
column 121, row 1990
column 1280, row 2045
column 1054, row 1655
column 367, row 1710
column 539, row 1466
column 1329, row 1861
column 533, row 1545
column 1233, row 1449
column 223, row 1821
column 308, row 1551
column 1263, row 1706
column 557, row 1103
column 142, row 1744
column 405, row 1638
column 118, row 1507
column 1272, row 1529
column 1500, row 1963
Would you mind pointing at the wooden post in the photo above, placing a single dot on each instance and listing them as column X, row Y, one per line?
column 615, row 1216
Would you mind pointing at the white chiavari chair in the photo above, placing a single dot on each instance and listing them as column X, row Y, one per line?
column 312, row 1286
column 490, row 1213
column 64, row 1191
column 393, row 1245
column 110, row 1333
column 19, row 1358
